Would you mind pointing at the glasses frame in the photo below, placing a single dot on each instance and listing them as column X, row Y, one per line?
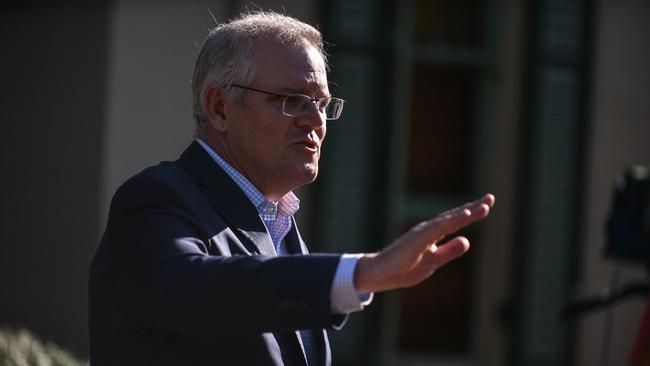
column 317, row 101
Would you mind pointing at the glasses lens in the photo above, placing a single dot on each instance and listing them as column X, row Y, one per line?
column 334, row 108
column 294, row 104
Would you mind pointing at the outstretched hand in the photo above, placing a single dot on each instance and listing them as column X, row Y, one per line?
column 414, row 256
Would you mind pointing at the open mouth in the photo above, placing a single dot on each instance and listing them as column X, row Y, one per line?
column 309, row 145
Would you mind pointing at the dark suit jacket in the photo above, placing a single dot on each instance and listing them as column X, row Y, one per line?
column 186, row 274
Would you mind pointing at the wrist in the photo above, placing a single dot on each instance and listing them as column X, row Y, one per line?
column 364, row 276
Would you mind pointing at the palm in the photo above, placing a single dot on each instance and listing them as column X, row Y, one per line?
column 414, row 256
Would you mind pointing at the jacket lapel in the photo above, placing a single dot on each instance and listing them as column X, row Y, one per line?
column 227, row 199
column 294, row 241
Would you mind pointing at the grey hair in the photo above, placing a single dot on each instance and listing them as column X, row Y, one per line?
column 225, row 57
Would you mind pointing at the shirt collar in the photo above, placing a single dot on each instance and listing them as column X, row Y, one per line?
column 286, row 205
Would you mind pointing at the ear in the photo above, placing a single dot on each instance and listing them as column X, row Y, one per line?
column 214, row 102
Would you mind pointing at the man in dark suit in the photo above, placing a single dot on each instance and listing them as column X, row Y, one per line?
column 202, row 262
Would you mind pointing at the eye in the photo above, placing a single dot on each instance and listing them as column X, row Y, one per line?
column 294, row 104
column 323, row 104
column 276, row 99
column 293, row 101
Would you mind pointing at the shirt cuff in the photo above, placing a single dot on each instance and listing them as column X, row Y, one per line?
column 344, row 296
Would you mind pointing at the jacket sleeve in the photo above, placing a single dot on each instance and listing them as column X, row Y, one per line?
column 153, row 266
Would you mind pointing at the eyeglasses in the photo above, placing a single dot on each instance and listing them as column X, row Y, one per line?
column 297, row 105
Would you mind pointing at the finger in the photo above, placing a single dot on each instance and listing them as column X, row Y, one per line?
column 477, row 209
column 446, row 253
column 452, row 221
column 488, row 200
column 434, row 230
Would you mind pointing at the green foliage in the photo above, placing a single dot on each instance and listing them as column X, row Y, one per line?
column 21, row 348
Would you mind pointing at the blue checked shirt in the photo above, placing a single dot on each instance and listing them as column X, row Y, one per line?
column 277, row 218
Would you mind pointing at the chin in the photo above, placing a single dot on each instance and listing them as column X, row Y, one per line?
column 309, row 173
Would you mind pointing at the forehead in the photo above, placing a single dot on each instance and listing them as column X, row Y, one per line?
column 289, row 67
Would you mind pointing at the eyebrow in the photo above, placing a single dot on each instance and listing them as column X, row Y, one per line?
column 290, row 90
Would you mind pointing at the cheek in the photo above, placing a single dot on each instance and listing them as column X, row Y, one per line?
column 271, row 144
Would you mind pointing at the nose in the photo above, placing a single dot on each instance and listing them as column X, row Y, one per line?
column 312, row 117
